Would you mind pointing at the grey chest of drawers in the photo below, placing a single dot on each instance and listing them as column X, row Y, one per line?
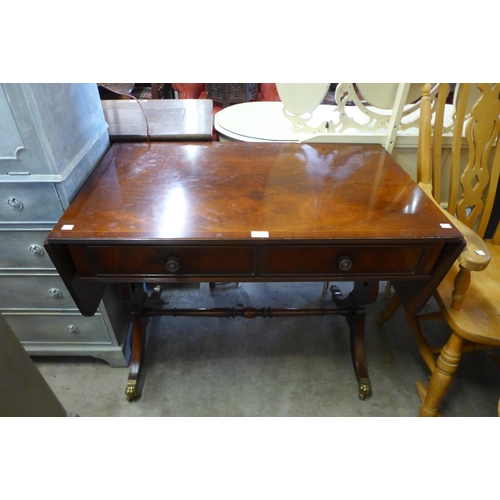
column 51, row 138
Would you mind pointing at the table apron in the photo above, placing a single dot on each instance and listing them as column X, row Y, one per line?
column 306, row 262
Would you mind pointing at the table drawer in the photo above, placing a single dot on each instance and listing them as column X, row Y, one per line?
column 185, row 261
column 341, row 260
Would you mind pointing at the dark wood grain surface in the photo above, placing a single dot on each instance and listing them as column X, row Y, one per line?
column 224, row 191
column 251, row 212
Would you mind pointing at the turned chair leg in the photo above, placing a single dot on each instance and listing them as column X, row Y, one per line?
column 446, row 366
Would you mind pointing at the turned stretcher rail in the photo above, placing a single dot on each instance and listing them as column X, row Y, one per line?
column 247, row 312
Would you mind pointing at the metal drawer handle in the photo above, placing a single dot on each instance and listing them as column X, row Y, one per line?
column 73, row 329
column 172, row 264
column 56, row 293
column 36, row 250
column 15, row 204
column 345, row 263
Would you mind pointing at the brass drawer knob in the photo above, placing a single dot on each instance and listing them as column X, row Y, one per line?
column 172, row 264
column 345, row 263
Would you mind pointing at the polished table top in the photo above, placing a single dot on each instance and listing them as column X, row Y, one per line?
column 264, row 197
column 225, row 191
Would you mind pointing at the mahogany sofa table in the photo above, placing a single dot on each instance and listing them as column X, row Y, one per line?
column 251, row 212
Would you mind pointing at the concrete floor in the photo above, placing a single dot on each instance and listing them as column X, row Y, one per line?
column 269, row 367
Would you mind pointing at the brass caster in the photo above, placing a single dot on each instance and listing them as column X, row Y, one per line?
column 364, row 388
column 131, row 390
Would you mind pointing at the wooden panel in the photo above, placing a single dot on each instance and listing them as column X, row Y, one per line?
column 224, row 191
column 383, row 260
column 132, row 260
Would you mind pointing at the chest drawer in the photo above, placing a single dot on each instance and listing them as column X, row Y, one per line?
column 22, row 250
column 162, row 261
column 375, row 260
column 73, row 328
column 34, row 292
column 34, row 202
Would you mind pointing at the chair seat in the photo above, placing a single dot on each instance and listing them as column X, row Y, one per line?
column 479, row 318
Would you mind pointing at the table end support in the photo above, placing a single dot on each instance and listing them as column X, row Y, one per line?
column 362, row 294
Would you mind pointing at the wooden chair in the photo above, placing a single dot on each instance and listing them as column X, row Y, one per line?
column 469, row 296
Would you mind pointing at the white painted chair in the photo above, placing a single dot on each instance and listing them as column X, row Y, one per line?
column 380, row 113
